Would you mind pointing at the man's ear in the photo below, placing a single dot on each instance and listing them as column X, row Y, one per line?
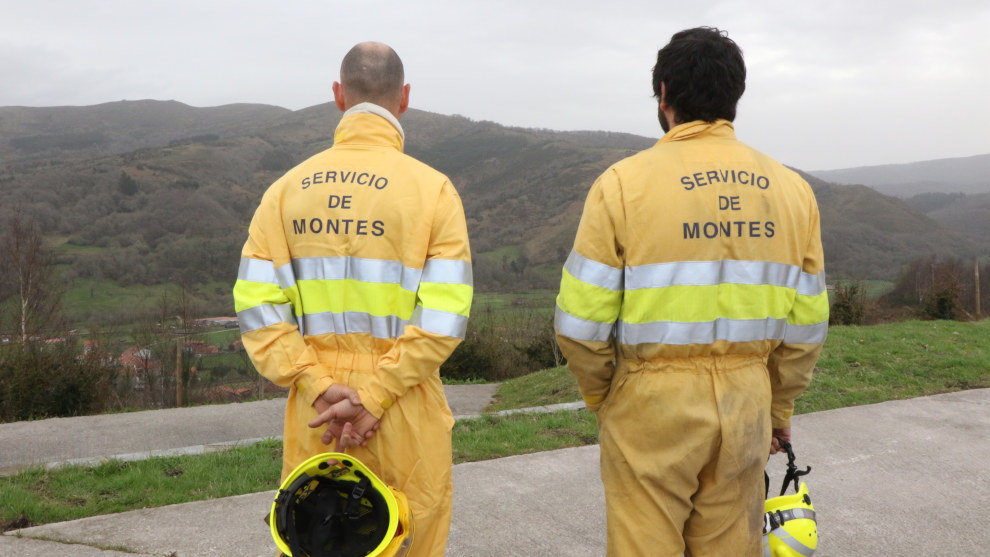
column 338, row 96
column 404, row 100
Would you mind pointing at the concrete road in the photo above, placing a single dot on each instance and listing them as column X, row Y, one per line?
column 137, row 435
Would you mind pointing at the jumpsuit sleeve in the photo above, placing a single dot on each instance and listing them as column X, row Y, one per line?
column 591, row 289
column 791, row 364
column 439, row 320
column 265, row 311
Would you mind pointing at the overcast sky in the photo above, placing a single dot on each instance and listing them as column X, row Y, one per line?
column 830, row 84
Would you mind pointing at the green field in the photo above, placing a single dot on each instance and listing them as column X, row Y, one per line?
column 859, row 365
column 868, row 364
column 89, row 301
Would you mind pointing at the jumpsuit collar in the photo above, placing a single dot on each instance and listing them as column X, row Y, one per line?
column 719, row 129
column 369, row 124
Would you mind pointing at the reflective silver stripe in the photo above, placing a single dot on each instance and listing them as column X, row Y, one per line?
column 784, row 537
column 447, row 271
column 710, row 273
column 365, row 270
column 326, row 323
column 256, row 270
column 265, row 315
column 580, row 329
column 593, row 272
column 811, row 285
column 286, row 278
column 806, row 334
column 701, row 332
column 439, row 322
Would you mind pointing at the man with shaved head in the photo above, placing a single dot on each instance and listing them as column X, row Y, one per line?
column 354, row 286
column 373, row 73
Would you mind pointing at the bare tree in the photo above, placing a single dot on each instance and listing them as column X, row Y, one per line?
column 27, row 276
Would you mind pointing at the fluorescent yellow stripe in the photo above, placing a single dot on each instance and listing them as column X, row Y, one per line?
column 809, row 310
column 339, row 296
column 292, row 294
column 587, row 301
column 449, row 297
column 707, row 303
column 249, row 294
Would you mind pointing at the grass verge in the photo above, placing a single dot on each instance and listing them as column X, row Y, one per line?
column 39, row 496
column 541, row 388
column 870, row 364
column 860, row 365
column 497, row 436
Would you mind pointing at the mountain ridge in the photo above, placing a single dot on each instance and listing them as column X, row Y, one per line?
column 969, row 175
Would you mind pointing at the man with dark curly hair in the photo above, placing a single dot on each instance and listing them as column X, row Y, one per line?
column 691, row 311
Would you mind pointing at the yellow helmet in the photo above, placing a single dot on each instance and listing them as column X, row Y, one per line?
column 789, row 525
column 333, row 505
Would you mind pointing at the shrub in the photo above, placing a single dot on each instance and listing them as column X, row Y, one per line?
column 127, row 185
column 502, row 345
column 849, row 307
column 942, row 303
column 48, row 380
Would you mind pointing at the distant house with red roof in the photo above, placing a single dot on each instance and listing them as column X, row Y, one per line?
column 200, row 348
column 139, row 363
column 91, row 349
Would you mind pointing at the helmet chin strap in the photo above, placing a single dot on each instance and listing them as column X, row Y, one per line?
column 793, row 473
column 776, row 519
column 779, row 538
column 354, row 501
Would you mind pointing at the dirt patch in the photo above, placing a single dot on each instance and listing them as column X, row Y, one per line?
column 561, row 433
column 15, row 523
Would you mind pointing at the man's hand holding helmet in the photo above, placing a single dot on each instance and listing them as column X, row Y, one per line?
column 779, row 434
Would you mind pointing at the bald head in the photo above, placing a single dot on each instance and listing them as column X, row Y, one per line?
column 372, row 72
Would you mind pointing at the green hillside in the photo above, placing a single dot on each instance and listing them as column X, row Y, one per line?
column 154, row 192
column 968, row 213
column 868, row 235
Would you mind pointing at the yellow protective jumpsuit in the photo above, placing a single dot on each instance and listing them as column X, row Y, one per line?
column 357, row 271
column 691, row 311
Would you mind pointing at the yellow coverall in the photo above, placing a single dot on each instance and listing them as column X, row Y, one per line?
column 691, row 311
column 357, row 271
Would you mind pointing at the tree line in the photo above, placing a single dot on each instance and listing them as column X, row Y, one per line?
column 926, row 288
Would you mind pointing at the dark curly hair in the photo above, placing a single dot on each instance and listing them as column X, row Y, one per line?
column 704, row 75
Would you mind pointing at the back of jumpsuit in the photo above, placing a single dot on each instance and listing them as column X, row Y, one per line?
column 357, row 271
column 691, row 311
